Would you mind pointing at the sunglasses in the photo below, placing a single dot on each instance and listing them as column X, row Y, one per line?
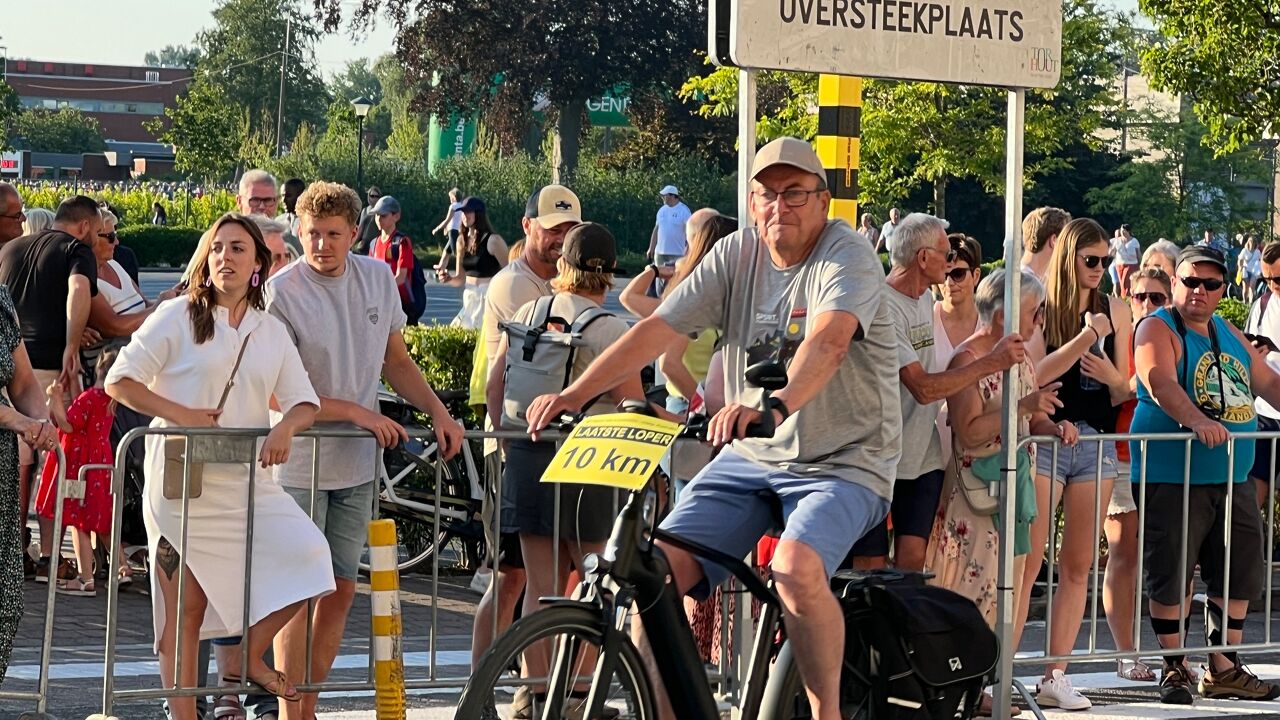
column 110, row 236
column 1265, row 279
column 959, row 274
column 1092, row 261
column 1156, row 298
column 1210, row 284
column 951, row 253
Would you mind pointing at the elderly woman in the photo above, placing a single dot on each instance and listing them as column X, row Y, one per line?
column 220, row 342
column 1162, row 254
column 964, row 545
column 38, row 220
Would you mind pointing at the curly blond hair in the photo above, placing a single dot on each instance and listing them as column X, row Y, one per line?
column 327, row 199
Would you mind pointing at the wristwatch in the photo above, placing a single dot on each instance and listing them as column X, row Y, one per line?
column 781, row 407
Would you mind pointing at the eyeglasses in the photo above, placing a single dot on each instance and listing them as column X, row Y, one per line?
column 19, row 216
column 793, row 198
column 958, row 274
column 951, row 254
column 1210, row 284
column 1092, row 261
column 1156, row 298
column 110, row 236
column 263, row 201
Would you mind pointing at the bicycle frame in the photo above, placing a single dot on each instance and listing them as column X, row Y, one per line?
column 643, row 577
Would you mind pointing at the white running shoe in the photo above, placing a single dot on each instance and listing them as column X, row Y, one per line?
column 1057, row 692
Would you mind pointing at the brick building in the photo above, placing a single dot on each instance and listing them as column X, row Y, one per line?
column 120, row 97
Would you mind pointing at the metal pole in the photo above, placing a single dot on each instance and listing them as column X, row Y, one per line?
column 360, row 153
column 284, row 58
column 742, row 626
column 1011, row 392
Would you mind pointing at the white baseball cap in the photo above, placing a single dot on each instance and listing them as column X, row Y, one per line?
column 670, row 190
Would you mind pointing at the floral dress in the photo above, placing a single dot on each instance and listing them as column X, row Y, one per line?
column 964, row 547
column 88, row 443
column 12, row 522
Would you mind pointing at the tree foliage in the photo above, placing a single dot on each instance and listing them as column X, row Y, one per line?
column 173, row 56
column 564, row 50
column 66, row 130
column 207, row 129
column 1225, row 57
column 242, row 53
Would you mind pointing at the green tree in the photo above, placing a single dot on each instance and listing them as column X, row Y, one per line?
column 9, row 109
column 66, row 130
column 357, row 79
column 1224, row 56
column 206, row 128
column 173, row 56
column 564, row 50
column 242, row 54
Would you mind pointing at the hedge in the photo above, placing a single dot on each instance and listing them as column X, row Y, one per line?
column 161, row 245
column 444, row 353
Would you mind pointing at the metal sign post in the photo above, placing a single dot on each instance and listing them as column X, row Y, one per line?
column 1006, row 598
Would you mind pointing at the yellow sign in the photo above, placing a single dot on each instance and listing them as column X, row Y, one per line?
column 618, row 450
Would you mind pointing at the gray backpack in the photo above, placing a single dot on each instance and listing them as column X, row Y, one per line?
column 540, row 357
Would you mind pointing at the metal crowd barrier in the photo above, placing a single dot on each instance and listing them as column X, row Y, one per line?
column 1092, row 650
column 41, row 694
column 240, row 445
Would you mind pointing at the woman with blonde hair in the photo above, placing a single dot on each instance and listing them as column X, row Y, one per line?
column 38, row 220
column 218, row 359
column 1092, row 364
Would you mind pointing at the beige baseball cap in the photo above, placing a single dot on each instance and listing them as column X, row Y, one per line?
column 788, row 151
column 552, row 205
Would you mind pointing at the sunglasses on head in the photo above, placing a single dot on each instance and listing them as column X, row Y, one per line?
column 1210, row 284
column 1092, row 261
column 1156, row 298
column 958, row 274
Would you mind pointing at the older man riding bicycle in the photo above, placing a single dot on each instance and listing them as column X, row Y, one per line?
column 805, row 291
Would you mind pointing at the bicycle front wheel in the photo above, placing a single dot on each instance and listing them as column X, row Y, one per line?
column 571, row 637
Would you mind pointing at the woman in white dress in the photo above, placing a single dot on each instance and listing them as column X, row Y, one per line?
column 175, row 369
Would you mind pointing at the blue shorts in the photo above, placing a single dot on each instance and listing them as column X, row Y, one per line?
column 343, row 516
column 733, row 502
column 1078, row 463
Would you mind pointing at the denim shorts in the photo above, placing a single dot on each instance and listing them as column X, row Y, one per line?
column 343, row 515
column 734, row 501
column 1078, row 463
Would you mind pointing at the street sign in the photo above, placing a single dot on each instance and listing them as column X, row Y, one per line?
column 11, row 163
column 1011, row 43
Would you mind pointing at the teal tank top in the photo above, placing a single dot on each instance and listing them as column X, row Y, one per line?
column 1225, row 384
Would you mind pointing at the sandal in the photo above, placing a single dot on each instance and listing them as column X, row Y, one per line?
column 77, row 587
column 228, row 707
column 277, row 685
column 1134, row 670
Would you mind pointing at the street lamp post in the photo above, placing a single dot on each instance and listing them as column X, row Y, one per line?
column 361, row 105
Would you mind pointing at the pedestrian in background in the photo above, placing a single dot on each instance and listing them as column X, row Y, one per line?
column 867, row 226
column 481, row 254
column 452, row 226
column 667, row 242
column 367, row 222
column 158, row 214
column 396, row 250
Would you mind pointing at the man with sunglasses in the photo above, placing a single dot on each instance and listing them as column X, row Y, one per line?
column 921, row 253
column 1197, row 372
column 1264, row 322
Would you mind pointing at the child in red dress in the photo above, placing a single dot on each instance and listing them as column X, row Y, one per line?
column 84, row 432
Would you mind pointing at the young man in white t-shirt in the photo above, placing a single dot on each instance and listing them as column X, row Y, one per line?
column 343, row 312
column 1264, row 320
column 667, row 242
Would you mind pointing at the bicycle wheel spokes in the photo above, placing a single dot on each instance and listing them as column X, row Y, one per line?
column 569, row 641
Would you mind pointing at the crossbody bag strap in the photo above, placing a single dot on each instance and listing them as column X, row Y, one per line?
column 231, row 381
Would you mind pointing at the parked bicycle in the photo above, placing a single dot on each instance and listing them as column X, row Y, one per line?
column 432, row 517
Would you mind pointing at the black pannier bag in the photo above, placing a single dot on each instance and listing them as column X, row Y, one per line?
column 913, row 651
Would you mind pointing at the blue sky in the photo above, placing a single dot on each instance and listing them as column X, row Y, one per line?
column 130, row 28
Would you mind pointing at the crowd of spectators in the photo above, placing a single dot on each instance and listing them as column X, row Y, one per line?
column 290, row 314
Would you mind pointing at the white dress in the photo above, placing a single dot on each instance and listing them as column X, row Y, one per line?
column 290, row 555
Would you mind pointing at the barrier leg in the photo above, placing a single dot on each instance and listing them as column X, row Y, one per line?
column 388, row 630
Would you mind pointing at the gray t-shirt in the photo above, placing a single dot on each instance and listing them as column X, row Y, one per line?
column 913, row 322
column 852, row 429
column 341, row 326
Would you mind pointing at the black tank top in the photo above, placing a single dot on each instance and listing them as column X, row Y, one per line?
column 481, row 263
column 1092, row 406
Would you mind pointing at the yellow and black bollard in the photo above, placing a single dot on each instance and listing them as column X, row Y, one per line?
column 838, row 143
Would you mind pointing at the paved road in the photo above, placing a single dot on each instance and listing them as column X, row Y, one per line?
column 443, row 302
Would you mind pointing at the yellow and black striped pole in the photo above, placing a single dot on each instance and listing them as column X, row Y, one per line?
column 838, row 143
column 388, row 630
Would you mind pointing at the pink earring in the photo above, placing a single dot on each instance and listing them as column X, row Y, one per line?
column 208, row 282
column 253, row 281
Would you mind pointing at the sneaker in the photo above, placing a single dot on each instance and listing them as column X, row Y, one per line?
column 1057, row 692
column 1237, row 683
column 1175, row 685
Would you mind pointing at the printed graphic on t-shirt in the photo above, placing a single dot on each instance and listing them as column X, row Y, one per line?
column 1229, row 379
column 774, row 341
column 921, row 336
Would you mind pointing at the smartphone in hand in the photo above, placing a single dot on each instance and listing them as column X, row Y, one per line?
column 1262, row 341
